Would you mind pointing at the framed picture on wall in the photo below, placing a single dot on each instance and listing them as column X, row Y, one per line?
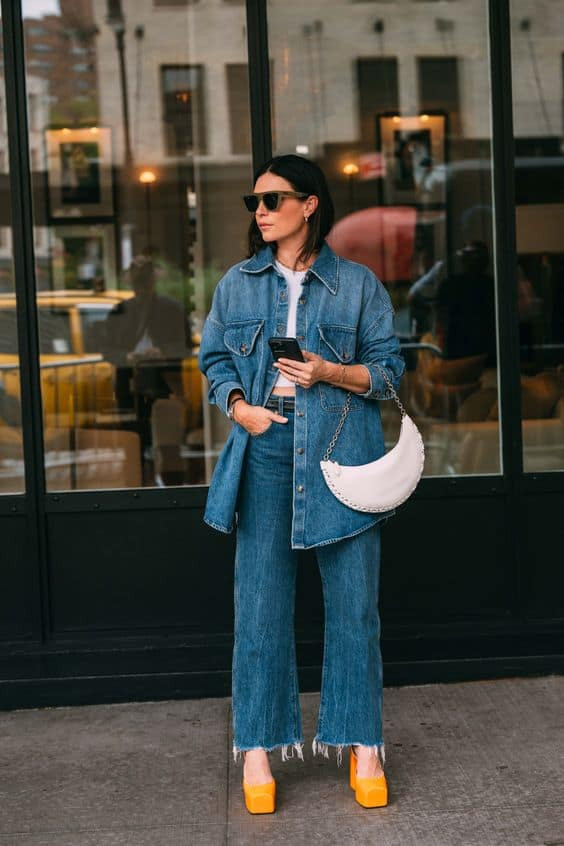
column 83, row 257
column 79, row 172
column 414, row 152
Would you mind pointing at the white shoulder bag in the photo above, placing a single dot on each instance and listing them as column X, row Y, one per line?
column 385, row 483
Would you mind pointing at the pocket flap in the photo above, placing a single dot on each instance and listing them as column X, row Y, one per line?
column 340, row 339
column 241, row 337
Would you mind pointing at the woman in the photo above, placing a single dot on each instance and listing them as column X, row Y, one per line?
column 269, row 483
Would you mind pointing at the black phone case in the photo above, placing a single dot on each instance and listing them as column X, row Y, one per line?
column 289, row 348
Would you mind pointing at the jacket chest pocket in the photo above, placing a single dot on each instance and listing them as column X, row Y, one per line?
column 337, row 344
column 244, row 340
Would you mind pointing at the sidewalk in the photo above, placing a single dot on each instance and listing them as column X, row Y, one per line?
column 472, row 764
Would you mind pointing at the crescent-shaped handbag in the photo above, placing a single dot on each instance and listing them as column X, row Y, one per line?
column 383, row 484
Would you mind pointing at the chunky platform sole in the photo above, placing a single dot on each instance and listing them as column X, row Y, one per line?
column 368, row 792
column 260, row 798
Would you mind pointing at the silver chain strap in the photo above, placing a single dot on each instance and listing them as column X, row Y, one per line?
column 346, row 407
column 333, row 440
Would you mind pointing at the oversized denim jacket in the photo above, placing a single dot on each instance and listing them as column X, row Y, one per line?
column 345, row 315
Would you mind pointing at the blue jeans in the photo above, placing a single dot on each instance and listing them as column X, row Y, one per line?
column 265, row 700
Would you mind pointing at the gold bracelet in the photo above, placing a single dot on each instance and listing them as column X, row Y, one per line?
column 342, row 379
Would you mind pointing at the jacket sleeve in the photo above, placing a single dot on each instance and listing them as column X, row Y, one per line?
column 214, row 359
column 378, row 345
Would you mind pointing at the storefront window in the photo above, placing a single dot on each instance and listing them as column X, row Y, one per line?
column 138, row 166
column 393, row 102
column 11, row 443
column 538, row 76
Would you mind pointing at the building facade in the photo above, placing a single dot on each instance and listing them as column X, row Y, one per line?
column 128, row 133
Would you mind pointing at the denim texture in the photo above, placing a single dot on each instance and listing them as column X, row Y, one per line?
column 266, row 708
column 345, row 315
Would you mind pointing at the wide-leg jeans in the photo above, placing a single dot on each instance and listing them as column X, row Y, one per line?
column 266, row 708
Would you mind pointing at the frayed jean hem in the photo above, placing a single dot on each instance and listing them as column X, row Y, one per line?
column 320, row 748
column 294, row 747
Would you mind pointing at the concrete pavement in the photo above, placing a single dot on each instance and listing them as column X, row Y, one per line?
column 471, row 764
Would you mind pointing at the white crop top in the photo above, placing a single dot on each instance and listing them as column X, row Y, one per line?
column 294, row 279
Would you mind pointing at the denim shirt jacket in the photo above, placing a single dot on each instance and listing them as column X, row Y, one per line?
column 346, row 316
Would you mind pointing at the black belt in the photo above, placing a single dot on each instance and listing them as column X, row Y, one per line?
column 272, row 402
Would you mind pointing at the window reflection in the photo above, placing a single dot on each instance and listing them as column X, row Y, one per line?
column 538, row 73
column 380, row 102
column 11, row 444
column 183, row 92
column 135, row 173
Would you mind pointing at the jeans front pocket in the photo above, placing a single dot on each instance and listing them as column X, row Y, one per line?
column 337, row 344
column 260, row 434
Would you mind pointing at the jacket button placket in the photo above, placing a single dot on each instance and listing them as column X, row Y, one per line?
column 281, row 317
column 300, row 438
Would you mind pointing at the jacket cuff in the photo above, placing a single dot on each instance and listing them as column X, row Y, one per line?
column 378, row 388
column 222, row 394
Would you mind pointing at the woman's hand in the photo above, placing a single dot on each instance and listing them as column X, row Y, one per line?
column 304, row 373
column 256, row 419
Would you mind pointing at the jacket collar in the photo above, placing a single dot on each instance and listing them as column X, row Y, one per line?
column 325, row 266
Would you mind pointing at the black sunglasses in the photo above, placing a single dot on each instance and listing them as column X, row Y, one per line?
column 271, row 199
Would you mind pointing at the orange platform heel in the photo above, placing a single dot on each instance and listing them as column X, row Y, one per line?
column 260, row 798
column 368, row 792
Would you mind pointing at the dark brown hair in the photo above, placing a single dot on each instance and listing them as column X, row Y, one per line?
column 307, row 177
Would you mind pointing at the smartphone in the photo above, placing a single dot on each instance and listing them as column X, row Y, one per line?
column 285, row 348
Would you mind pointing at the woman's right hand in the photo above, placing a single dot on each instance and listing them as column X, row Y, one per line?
column 256, row 419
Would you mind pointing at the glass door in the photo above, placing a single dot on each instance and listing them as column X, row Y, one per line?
column 140, row 147
column 394, row 104
column 12, row 479
column 538, row 77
